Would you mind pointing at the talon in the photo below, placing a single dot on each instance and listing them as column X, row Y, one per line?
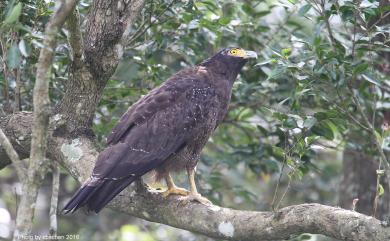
column 196, row 197
column 175, row 191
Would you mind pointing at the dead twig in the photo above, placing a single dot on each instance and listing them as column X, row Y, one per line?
column 54, row 199
column 13, row 155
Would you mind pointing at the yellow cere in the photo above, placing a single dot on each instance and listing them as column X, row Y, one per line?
column 237, row 52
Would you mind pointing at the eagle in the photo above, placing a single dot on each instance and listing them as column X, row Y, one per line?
column 164, row 131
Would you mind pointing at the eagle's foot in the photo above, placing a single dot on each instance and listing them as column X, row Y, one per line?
column 175, row 191
column 196, row 197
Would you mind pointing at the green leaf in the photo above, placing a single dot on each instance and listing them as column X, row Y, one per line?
column 379, row 138
column 280, row 116
column 278, row 152
column 330, row 114
column 310, row 140
column 14, row 15
column 13, row 57
column 245, row 114
column 371, row 79
column 309, row 122
column 286, row 52
column 264, row 62
column 381, row 190
column 360, row 68
column 305, row 237
column 276, row 72
column 290, row 123
column 304, row 9
column 323, row 129
column 247, row 8
column 24, row 49
column 224, row 21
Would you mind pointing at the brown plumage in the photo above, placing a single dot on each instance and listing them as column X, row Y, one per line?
column 164, row 131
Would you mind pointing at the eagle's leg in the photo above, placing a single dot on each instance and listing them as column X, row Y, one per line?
column 172, row 188
column 194, row 195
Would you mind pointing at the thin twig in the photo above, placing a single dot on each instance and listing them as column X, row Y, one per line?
column 354, row 35
column 317, row 7
column 380, row 19
column 242, row 128
column 13, row 155
column 352, row 118
column 143, row 29
column 330, row 32
column 372, row 128
column 284, row 193
column 54, row 199
column 6, row 73
column 17, row 106
column 377, row 194
column 281, row 174
column 277, row 187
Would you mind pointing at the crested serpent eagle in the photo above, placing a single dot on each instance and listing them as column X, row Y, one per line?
column 164, row 131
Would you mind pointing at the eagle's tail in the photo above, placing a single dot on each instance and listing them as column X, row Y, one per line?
column 95, row 197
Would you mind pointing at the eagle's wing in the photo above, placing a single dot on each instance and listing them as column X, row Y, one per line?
column 155, row 127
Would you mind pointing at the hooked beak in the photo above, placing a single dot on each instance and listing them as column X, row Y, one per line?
column 250, row 54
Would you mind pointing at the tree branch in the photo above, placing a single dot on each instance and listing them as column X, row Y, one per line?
column 36, row 167
column 130, row 19
column 106, row 26
column 232, row 224
column 13, row 155
column 54, row 199
column 74, row 36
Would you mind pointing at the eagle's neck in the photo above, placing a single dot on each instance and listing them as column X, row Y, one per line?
column 222, row 69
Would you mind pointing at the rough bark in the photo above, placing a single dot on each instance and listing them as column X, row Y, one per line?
column 18, row 128
column 101, row 52
column 36, row 171
column 54, row 199
column 12, row 154
column 78, row 155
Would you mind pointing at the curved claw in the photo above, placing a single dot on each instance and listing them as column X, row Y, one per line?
column 196, row 197
column 175, row 191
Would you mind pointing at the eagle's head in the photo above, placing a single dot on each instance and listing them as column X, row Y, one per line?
column 236, row 54
column 229, row 61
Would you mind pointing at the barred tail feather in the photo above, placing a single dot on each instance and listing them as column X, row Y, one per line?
column 79, row 199
column 95, row 198
column 108, row 190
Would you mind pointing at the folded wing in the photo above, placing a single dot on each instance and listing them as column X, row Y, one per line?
column 155, row 127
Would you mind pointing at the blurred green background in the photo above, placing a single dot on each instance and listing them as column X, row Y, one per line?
column 296, row 131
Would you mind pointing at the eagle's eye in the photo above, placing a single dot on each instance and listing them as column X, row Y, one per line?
column 236, row 52
column 233, row 51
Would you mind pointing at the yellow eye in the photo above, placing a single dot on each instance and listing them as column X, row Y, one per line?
column 233, row 51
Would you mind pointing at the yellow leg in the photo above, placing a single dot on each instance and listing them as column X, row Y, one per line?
column 194, row 195
column 191, row 180
column 173, row 189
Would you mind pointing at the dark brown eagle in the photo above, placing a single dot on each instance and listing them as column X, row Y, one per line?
column 164, row 131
